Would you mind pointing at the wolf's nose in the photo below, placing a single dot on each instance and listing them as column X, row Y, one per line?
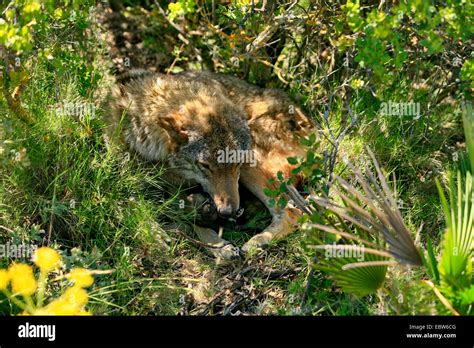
column 226, row 212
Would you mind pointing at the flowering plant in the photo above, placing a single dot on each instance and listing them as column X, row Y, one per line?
column 19, row 281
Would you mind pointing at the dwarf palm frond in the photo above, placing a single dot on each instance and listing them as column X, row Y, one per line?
column 376, row 211
column 370, row 208
column 458, row 241
column 455, row 265
column 468, row 123
column 369, row 219
column 360, row 281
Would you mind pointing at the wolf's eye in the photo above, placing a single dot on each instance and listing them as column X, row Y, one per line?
column 205, row 165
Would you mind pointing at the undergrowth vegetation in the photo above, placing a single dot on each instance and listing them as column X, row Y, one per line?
column 387, row 85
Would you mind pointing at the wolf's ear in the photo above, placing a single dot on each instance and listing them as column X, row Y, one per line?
column 174, row 124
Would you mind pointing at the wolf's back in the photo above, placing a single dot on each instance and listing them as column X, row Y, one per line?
column 272, row 116
column 156, row 114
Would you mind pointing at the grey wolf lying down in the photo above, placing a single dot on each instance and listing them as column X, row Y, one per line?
column 216, row 131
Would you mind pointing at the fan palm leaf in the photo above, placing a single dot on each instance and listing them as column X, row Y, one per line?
column 360, row 281
column 468, row 123
column 456, row 258
column 373, row 210
column 369, row 220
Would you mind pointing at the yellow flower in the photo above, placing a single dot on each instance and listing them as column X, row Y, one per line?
column 83, row 312
column 47, row 259
column 357, row 83
column 22, row 278
column 70, row 303
column 58, row 307
column 4, row 279
column 76, row 296
column 81, row 277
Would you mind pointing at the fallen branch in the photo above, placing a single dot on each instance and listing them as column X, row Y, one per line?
column 197, row 242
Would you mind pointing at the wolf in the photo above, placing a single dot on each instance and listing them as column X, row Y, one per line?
column 217, row 131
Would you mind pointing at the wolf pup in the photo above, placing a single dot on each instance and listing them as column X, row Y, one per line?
column 213, row 130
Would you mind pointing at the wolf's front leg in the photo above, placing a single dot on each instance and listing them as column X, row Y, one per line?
column 283, row 223
column 283, row 220
column 219, row 248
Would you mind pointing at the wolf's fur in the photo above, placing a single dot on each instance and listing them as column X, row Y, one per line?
column 184, row 120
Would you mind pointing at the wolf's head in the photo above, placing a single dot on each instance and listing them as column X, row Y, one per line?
column 217, row 143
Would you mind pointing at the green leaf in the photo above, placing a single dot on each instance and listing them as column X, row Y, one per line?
column 305, row 141
column 282, row 203
column 468, row 122
column 292, row 160
column 270, row 193
column 433, row 262
column 455, row 265
column 360, row 281
column 467, row 296
column 280, row 176
column 271, row 203
column 282, row 187
column 296, row 170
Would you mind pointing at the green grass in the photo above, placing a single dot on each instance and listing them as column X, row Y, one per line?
column 121, row 212
column 110, row 214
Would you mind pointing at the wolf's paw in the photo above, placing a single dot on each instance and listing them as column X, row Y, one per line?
column 259, row 241
column 226, row 252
